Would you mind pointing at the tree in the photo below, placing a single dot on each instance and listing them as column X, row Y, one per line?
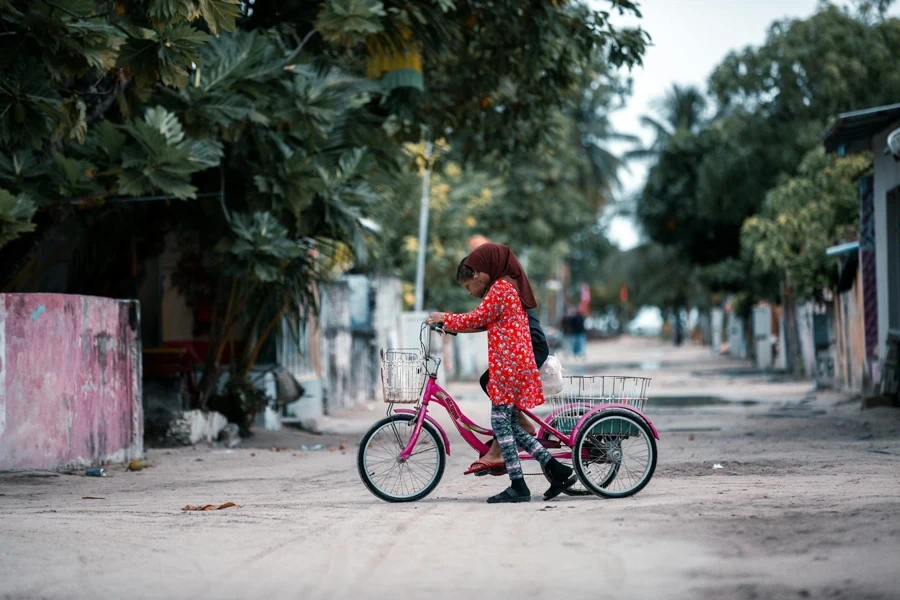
column 681, row 110
column 668, row 207
column 274, row 147
column 802, row 217
column 494, row 72
column 77, row 118
column 772, row 103
column 775, row 100
column 261, row 118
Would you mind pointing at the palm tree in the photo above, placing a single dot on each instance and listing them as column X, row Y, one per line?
column 599, row 175
column 680, row 110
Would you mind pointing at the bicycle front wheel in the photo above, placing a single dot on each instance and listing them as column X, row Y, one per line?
column 381, row 470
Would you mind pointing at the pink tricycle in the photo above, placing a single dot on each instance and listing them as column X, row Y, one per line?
column 596, row 423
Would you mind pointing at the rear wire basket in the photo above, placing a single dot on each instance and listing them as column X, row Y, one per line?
column 403, row 375
column 581, row 394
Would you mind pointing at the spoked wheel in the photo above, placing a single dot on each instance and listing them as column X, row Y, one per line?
column 378, row 460
column 615, row 454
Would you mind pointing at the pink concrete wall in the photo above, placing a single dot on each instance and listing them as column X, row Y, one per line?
column 70, row 381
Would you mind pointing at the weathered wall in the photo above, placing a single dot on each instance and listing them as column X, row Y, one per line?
column 851, row 364
column 887, row 266
column 70, row 381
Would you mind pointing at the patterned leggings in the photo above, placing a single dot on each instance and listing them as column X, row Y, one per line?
column 510, row 435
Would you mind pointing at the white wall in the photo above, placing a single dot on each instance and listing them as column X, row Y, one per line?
column 737, row 343
column 762, row 335
column 805, row 335
column 887, row 176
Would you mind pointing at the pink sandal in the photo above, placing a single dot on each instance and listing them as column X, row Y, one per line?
column 480, row 466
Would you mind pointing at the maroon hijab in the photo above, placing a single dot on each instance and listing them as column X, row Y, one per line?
column 499, row 262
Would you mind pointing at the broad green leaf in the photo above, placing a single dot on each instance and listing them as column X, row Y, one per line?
column 350, row 22
column 166, row 123
column 16, row 213
column 220, row 15
column 166, row 10
column 109, row 139
column 141, row 56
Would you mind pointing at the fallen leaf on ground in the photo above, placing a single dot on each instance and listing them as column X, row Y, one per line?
column 137, row 465
column 253, row 454
column 691, row 438
column 210, row 506
column 343, row 446
column 92, row 498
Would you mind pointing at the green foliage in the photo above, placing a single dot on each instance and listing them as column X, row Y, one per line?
column 161, row 158
column 288, row 154
column 350, row 22
column 805, row 215
column 163, row 55
column 495, row 74
column 261, row 246
column 773, row 102
column 30, row 107
column 777, row 99
column 67, row 68
column 15, row 216
column 681, row 111
column 220, row 15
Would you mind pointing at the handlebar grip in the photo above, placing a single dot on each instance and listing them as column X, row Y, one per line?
column 440, row 329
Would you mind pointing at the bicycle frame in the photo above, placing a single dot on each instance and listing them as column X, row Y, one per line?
column 467, row 428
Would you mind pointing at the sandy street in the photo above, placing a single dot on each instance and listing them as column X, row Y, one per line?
column 807, row 505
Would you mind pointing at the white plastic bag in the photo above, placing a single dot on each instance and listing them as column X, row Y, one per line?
column 551, row 376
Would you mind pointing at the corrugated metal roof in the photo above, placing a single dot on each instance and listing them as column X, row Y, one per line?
column 853, row 131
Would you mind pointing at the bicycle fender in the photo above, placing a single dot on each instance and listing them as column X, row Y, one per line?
column 433, row 423
column 604, row 407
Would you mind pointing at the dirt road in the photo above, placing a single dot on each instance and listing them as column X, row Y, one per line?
column 805, row 506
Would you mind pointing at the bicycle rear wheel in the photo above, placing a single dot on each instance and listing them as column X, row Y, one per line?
column 381, row 470
column 615, row 441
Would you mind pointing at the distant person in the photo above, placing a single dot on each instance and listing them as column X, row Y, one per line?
column 566, row 327
column 579, row 335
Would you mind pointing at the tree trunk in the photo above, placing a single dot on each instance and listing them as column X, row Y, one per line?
column 792, row 352
column 677, row 333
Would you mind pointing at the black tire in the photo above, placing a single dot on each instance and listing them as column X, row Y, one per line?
column 402, row 421
column 585, row 436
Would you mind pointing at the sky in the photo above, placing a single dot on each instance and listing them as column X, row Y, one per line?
column 689, row 37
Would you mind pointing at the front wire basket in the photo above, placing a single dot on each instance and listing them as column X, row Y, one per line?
column 581, row 394
column 403, row 374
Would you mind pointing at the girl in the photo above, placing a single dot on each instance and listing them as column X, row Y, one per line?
column 476, row 272
column 514, row 382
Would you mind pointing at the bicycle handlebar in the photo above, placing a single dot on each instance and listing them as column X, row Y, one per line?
column 440, row 329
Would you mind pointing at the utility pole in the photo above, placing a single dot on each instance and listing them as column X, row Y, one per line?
column 423, row 229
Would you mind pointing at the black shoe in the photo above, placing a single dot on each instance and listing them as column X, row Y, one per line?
column 561, row 478
column 516, row 492
column 509, row 495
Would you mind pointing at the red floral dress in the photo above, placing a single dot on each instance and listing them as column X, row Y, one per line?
column 514, row 376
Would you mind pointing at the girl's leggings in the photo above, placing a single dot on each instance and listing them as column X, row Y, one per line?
column 510, row 435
